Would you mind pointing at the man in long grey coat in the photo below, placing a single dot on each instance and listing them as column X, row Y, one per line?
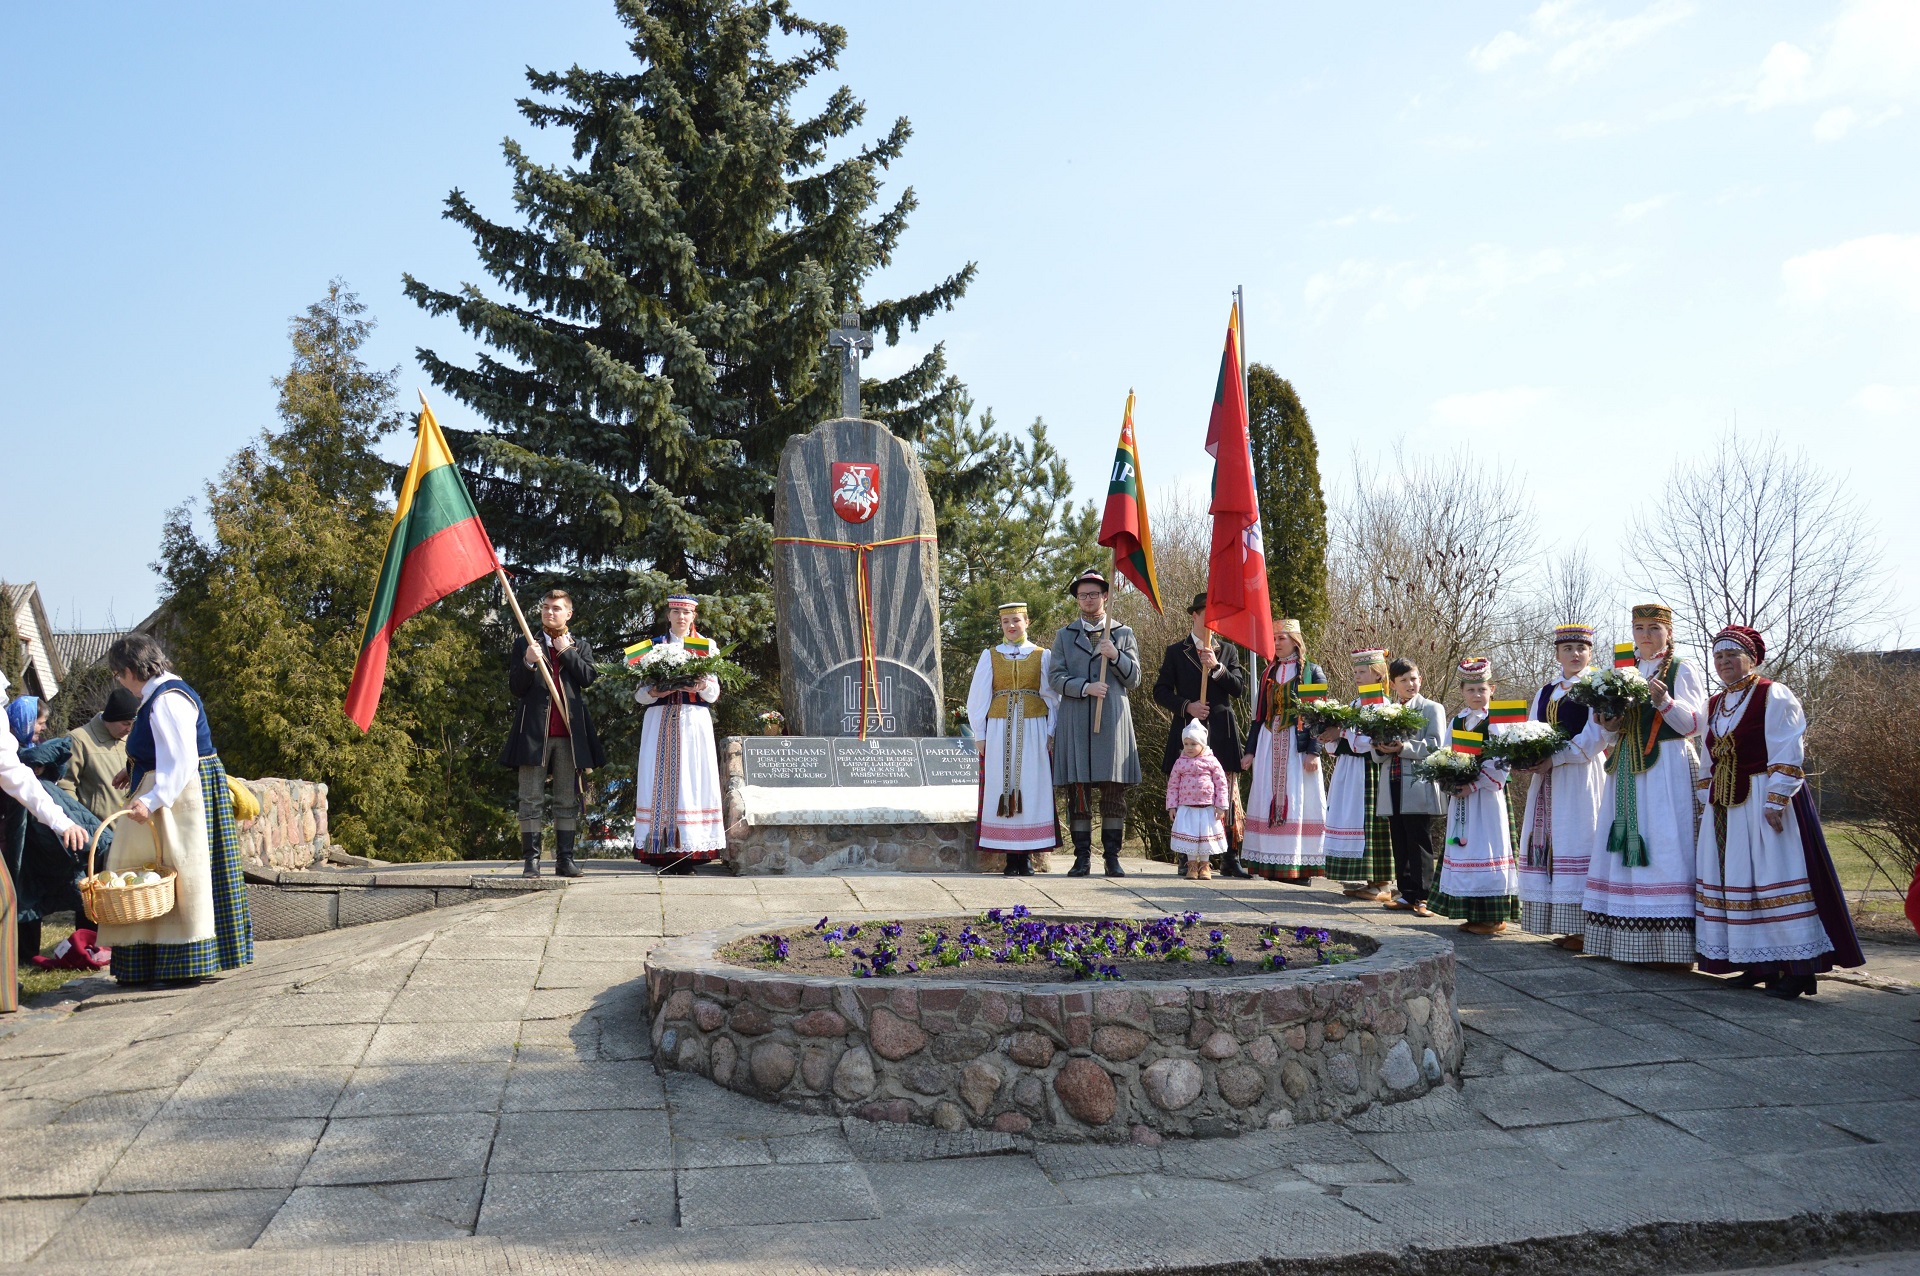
column 1085, row 759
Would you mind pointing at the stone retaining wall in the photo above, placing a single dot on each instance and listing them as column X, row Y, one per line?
column 291, row 831
column 1087, row 1061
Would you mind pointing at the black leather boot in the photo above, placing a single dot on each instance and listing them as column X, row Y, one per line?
column 530, row 854
column 1230, row 866
column 1082, row 853
column 1026, row 865
column 1013, row 865
column 563, row 865
column 1110, row 848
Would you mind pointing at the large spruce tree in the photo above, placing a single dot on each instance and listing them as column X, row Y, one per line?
column 672, row 289
column 1293, row 510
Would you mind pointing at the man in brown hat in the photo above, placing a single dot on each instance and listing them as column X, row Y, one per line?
column 1095, row 663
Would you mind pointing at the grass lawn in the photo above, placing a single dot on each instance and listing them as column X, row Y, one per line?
column 34, row 981
column 1857, row 871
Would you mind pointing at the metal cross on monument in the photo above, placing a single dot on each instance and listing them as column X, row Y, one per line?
column 850, row 341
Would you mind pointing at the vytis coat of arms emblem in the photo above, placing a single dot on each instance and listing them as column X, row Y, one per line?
column 856, row 490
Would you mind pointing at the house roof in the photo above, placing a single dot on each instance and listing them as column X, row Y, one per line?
column 45, row 665
column 85, row 647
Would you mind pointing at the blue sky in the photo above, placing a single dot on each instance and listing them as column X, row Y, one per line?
column 1580, row 238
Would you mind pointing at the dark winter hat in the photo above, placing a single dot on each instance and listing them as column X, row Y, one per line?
column 1091, row 576
column 122, row 705
column 1199, row 603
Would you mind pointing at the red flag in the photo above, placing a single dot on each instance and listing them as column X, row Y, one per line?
column 1237, row 606
column 1123, row 525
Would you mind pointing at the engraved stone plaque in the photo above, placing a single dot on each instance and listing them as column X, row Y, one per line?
column 787, row 762
column 878, row 762
column 949, row 760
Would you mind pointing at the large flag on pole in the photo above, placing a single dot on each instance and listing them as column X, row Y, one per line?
column 1237, row 606
column 436, row 546
column 1123, row 526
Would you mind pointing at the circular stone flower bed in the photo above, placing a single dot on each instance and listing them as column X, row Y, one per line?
column 1017, row 946
column 1209, row 1051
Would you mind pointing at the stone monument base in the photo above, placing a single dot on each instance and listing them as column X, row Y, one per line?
column 777, row 829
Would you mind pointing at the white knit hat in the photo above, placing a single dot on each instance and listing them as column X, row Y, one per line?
column 1196, row 732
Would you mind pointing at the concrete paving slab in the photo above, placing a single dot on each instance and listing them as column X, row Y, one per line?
column 415, row 1043
column 416, row 1089
column 1597, row 1047
column 131, row 1107
column 748, row 1196
column 218, row 1093
column 1756, row 1132
column 485, row 944
column 589, row 974
column 723, row 1152
column 1673, row 1087
column 584, row 1086
column 988, row 1185
column 1798, row 1080
column 180, row 1155
column 1622, row 1143
column 626, row 947
column 530, row 1142
column 385, row 1149
column 567, row 1205
column 439, row 973
column 1896, row 1123
column 27, row 1225
column 314, row 1045
column 346, row 1215
column 429, row 1004
column 140, row 1223
column 1127, row 1189
column 1545, row 1099
column 810, row 1149
column 302, row 1009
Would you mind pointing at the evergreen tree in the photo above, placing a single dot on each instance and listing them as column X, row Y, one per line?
column 1009, row 531
column 1293, row 511
column 676, row 284
column 265, row 617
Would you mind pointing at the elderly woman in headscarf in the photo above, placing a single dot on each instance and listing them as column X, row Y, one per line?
column 23, row 787
column 1767, row 902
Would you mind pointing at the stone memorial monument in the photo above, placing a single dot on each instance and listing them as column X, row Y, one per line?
column 866, row 779
column 856, row 576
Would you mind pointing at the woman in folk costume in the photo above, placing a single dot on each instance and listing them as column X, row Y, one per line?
column 1767, row 901
column 1287, row 807
column 1198, row 797
column 1010, row 708
column 1639, row 895
column 1478, row 885
column 23, row 786
column 676, row 818
column 1563, row 802
column 183, row 817
column 1359, row 848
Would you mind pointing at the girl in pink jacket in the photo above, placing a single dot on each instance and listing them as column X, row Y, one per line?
column 1197, row 796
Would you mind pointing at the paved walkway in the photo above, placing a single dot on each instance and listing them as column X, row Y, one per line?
column 470, row 1090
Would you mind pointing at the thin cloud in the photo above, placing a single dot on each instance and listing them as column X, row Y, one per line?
column 1575, row 39
column 1636, row 211
column 1381, row 216
column 1874, row 272
column 1868, row 68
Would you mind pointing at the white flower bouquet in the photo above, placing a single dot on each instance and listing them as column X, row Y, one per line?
column 1610, row 692
column 668, row 669
column 1526, row 744
column 1326, row 713
column 1450, row 769
column 1388, row 723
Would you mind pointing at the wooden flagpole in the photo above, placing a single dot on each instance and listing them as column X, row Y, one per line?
column 1106, row 629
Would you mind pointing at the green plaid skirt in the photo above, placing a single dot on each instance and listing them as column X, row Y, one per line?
column 1476, row 908
column 232, row 942
column 1375, row 863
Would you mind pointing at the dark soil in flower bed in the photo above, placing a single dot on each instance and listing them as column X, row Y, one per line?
column 1014, row 946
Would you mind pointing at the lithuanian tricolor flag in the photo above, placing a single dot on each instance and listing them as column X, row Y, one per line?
column 1507, row 711
column 1468, row 742
column 435, row 547
column 1123, row 525
column 1372, row 693
column 1623, row 656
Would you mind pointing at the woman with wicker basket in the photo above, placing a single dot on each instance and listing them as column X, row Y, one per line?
column 23, row 786
column 189, row 920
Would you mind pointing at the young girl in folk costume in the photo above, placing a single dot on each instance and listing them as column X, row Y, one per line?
column 1639, row 896
column 1197, row 794
column 1767, row 901
column 1010, row 708
column 1359, row 848
column 1287, row 808
column 1478, row 885
column 677, row 821
column 1563, row 803
column 182, row 813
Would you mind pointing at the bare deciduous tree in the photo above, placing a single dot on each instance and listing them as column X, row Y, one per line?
column 1752, row 535
column 1432, row 560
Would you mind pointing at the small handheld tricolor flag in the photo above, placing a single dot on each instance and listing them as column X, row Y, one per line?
column 1123, row 525
column 1623, row 657
column 1507, row 711
column 1372, row 693
column 436, row 545
column 1469, row 742
column 696, row 645
column 1310, row 691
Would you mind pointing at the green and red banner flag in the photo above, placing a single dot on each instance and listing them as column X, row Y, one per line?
column 1469, row 742
column 1237, row 606
column 436, row 546
column 696, row 645
column 1123, row 525
column 1372, row 693
column 1623, row 656
column 1507, row 711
